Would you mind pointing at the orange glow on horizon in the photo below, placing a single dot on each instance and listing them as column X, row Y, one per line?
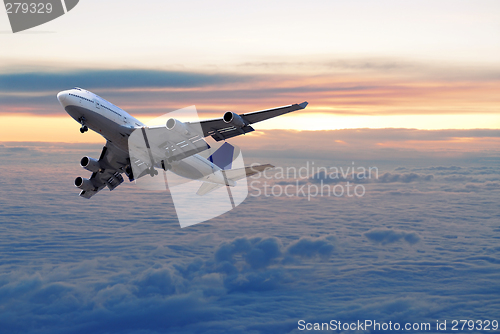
column 23, row 128
column 65, row 129
column 336, row 101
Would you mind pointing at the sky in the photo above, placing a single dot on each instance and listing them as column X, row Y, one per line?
column 408, row 88
column 360, row 64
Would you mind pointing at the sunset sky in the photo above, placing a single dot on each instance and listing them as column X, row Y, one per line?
column 361, row 64
column 408, row 88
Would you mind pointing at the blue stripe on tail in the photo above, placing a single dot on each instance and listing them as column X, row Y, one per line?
column 223, row 157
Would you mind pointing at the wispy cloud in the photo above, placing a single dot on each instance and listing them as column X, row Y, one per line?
column 116, row 79
column 365, row 88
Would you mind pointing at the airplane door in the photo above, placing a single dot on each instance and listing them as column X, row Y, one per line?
column 97, row 104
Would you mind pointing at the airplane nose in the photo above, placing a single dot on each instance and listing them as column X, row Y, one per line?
column 61, row 96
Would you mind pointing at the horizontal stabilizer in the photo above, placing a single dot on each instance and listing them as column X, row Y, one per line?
column 238, row 174
column 232, row 175
column 208, row 187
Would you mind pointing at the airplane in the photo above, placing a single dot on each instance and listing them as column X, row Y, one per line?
column 173, row 147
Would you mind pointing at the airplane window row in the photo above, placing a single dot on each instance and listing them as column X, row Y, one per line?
column 81, row 97
column 93, row 102
column 110, row 110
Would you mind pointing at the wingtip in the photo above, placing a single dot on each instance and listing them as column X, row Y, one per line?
column 303, row 105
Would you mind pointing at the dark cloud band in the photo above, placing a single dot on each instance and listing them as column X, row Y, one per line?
column 94, row 79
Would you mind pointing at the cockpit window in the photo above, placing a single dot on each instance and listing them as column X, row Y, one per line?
column 77, row 88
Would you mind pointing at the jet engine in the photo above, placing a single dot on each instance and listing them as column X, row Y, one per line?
column 177, row 126
column 90, row 164
column 84, row 184
column 234, row 119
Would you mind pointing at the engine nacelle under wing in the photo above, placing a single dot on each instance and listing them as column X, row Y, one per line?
column 177, row 126
column 234, row 119
column 84, row 184
column 90, row 164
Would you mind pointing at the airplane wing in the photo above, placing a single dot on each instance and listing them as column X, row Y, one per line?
column 220, row 130
column 157, row 146
column 113, row 162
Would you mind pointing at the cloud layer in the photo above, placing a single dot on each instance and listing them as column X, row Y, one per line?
column 406, row 251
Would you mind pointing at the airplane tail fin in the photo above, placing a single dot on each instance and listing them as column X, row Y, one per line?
column 224, row 156
column 232, row 175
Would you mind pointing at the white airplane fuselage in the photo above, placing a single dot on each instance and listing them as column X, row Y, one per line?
column 99, row 115
column 116, row 125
